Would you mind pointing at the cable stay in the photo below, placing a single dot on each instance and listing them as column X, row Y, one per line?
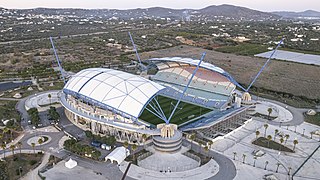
column 185, row 89
column 58, row 60
column 265, row 64
column 142, row 67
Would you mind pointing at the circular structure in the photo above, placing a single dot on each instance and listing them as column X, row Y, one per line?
column 42, row 99
column 46, row 139
column 170, row 139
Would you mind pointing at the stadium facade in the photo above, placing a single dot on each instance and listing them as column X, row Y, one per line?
column 111, row 102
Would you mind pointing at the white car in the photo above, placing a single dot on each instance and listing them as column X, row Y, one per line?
column 106, row 147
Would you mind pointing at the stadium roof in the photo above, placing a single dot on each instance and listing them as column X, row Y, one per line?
column 119, row 90
column 195, row 62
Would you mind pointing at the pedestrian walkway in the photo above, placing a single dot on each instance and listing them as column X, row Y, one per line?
column 203, row 172
column 33, row 174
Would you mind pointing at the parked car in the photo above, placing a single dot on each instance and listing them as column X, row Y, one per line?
column 106, row 147
column 95, row 143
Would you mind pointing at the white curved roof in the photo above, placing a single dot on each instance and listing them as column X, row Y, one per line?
column 190, row 61
column 119, row 155
column 119, row 90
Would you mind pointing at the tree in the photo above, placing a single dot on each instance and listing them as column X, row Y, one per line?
column 20, row 146
column 266, row 164
column 295, row 142
column 4, row 146
column 243, row 158
column 49, row 96
column 5, row 131
column 134, row 147
column 89, row 134
column 206, row 149
column 257, row 134
column 276, row 131
column 287, row 136
column 12, row 148
column 192, row 138
column 234, row 155
column 269, row 137
column 126, row 144
column 210, row 144
column 40, row 140
column 265, row 129
column 281, row 141
column 33, row 146
column 278, row 164
column 269, row 112
column 144, row 138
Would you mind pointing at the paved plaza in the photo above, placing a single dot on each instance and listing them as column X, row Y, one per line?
column 174, row 162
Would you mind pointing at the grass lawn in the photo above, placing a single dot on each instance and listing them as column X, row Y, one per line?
column 9, row 169
column 313, row 119
column 184, row 112
column 263, row 142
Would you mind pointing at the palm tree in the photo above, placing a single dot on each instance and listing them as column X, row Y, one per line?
column 33, row 146
column 40, row 141
column 234, row 155
column 49, row 96
column 269, row 137
column 192, row 138
column 275, row 134
column 210, row 144
column 289, row 170
column 265, row 165
column 287, row 136
column 5, row 131
column 206, row 149
column 269, row 112
column 134, row 147
column 278, row 164
column 295, row 142
column 257, row 134
column 200, row 145
column 144, row 138
column 4, row 146
column 243, row 158
column 12, row 148
column 20, row 146
column 281, row 141
column 265, row 129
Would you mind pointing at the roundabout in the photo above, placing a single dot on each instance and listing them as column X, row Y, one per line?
column 45, row 140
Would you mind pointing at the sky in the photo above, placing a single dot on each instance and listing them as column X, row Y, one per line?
column 262, row 5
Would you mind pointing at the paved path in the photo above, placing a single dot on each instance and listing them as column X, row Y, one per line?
column 297, row 113
column 9, row 99
column 33, row 174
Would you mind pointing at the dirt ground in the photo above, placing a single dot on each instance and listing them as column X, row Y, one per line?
column 281, row 76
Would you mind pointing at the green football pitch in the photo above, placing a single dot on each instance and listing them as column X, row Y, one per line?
column 184, row 112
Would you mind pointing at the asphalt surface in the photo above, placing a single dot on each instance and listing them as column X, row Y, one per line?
column 227, row 169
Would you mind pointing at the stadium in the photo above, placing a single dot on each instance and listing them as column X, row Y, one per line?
column 113, row 102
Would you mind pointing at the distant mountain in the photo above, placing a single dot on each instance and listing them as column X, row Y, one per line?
column 226, row 11
column 236, row 11
column 309, row 14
